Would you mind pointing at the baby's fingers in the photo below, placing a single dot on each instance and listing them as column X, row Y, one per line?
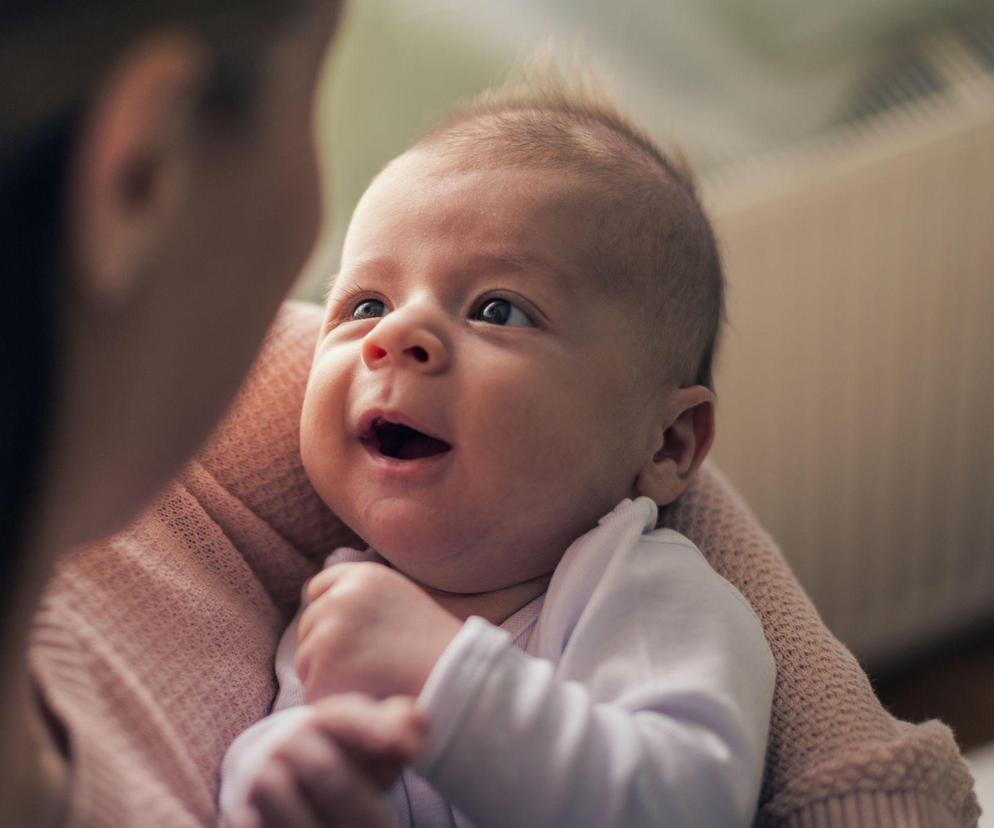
column 276, row 801
column 386, row 734
column 313, row 784
column 337, row 791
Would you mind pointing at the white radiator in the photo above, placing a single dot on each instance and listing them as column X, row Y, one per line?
column 856, row 380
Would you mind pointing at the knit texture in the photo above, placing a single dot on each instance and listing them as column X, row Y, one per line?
column 154, row 649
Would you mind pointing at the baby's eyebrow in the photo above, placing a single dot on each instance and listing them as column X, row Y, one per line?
column 381, row 269
column 516, row 260
column 378, row 266
column 344, row 283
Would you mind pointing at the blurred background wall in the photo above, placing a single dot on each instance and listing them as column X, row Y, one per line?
column 847, row 157
column 725, row 78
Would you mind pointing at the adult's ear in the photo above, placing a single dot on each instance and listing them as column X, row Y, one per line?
column 132, row 165
column 687, row 435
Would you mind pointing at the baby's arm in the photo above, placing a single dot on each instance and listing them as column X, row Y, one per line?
column 367, row 633
column 656, row 714
column 325, row 764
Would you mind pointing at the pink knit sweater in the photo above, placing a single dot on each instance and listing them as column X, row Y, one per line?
column 155, row 648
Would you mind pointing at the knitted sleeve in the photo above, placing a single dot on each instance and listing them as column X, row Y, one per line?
column 153, row 649
column 835, row 756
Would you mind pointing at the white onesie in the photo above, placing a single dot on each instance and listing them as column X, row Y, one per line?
column 635, row 692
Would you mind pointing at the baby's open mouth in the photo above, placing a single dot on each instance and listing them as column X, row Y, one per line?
column 402, row 442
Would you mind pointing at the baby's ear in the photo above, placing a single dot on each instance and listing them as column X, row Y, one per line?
column 687, row 434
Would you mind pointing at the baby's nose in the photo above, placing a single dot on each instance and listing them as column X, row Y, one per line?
column 406, row 339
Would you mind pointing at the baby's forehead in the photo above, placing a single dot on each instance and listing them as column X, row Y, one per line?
column 438, row 167
column 595, row 201
column 593, row 222
column 430, row 180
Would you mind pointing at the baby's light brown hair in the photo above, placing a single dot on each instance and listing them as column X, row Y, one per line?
column 655, row 239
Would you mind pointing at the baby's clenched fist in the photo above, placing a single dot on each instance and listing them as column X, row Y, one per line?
column 369, row 629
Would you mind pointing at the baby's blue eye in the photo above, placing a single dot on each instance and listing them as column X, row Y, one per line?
column 369, row 309
column 503, row 312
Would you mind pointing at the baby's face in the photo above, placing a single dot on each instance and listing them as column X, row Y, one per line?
column 478, row 396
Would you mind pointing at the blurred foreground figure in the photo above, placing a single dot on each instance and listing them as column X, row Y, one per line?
column 158, row 194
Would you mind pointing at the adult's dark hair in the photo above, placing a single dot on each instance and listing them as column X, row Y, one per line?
column 53, row 56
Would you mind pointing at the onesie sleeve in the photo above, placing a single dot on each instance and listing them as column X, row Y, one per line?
column 655, row 713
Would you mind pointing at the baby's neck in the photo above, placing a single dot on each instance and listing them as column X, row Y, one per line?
column 496, row 606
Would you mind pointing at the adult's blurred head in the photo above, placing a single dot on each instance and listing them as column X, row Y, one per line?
column 158, row 195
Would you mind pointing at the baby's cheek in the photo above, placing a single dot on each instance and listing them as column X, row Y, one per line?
column 322, row 443
column 310, row 437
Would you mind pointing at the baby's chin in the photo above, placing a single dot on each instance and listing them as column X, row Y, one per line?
column 432, row 557
column 428, row 561
column 464, row 552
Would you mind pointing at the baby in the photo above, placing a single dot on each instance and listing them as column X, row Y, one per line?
column 513, row 373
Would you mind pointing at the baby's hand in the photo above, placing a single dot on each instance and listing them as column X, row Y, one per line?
column 329, row 767
column 369, row 629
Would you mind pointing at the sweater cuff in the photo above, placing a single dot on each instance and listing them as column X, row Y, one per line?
column 871, row 809
column 454, row 682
